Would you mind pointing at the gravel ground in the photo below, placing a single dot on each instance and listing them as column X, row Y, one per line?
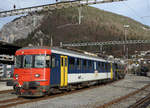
column 5, row 96
column 94, row 97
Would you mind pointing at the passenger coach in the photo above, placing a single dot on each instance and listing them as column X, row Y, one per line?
column 38, row 71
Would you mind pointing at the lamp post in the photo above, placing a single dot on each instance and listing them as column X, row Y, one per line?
column 125, row 39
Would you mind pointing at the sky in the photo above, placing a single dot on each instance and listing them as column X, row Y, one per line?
column 8, row 5
column 138, row 10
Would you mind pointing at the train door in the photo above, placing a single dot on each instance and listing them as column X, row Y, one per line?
column 111, row 71
column 64, row 71
column 55, row 70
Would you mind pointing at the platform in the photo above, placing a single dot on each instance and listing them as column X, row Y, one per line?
column 3, row 86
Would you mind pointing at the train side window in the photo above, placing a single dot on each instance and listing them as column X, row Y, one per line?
column 57, row 63
column 84, row 64
column 41, row 61
column 53, row 61
column 78, row 64
column 108, row 66
column 90, row 64
column 99, row 65
column 71, row 62
column 105, row 66
column 95, row 67
column 102, row 66
column 27, row 61
column 18, row 61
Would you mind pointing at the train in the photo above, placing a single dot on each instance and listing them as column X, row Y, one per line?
column 39, row 71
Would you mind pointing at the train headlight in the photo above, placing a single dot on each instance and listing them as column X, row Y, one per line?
column 37, row 75
column 16, row 75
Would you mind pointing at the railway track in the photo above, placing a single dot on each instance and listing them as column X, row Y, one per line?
column 12, row 102
column 16, row 101
column 6, row 91
column 140, row 103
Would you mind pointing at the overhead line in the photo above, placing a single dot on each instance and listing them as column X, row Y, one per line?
column 54, row 6
column 105, row 43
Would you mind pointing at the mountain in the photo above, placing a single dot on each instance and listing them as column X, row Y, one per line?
column 20, row 27
column 135, row 9
column 96, row 25
column 62, row 25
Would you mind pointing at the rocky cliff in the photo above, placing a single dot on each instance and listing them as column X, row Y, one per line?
column 20, row 27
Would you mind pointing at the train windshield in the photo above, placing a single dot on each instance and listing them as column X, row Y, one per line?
column 18, row 62
column 27, row 61
column 32, row 61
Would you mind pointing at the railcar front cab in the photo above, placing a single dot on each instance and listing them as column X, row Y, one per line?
column 31, row 74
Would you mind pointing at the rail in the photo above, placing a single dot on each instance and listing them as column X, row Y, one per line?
column 142, row 103
column 118, row 100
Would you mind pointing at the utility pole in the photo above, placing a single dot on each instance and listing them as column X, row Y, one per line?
column 126, row 51
column 125, row 39
column 80, row 14
column 51, row 41
column 41, row 41
column 61, row 44
column 101, row 48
